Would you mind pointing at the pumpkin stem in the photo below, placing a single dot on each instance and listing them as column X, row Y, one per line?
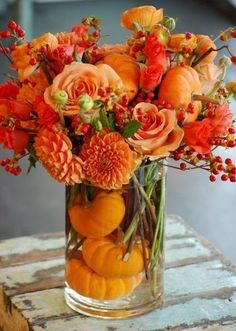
column 205, row 99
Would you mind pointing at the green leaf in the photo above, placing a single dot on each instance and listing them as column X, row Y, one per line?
column 112, row 121
column 103, row 118
column 131, row 128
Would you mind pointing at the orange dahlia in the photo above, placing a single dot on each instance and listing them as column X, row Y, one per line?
column 108, row 161
column 54, row 151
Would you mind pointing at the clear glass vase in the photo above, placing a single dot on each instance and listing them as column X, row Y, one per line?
column 115, row 246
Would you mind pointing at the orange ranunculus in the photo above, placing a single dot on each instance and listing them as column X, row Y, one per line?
column 222, row 120
column 34, row 87
column 159, row 134
column 197, row 135
column 145, row 16
column 178, row 42
column 21, row 57
column 78, row 78
column 108, row 160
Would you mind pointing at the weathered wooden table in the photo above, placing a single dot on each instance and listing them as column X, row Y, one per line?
column 200, row 287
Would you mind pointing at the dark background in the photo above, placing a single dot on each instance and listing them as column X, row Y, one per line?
column 35, row 203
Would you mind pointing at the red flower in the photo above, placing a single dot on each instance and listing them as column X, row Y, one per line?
column 8, row 90
column 46, row 115
column 222, row 120
column 14, row 139
column 197, row 135
column 155, row 52
column 17, row 109
column 151, row 77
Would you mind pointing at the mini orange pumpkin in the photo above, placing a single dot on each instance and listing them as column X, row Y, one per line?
column 105, row 258
column 101, row 217
column 205, row 43
column 177, row 88
column 128, row 70
column 86, row 282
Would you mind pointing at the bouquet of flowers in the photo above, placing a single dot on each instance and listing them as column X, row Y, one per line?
column 95, row 114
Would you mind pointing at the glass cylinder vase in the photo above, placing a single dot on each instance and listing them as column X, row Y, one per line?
column 115, row 246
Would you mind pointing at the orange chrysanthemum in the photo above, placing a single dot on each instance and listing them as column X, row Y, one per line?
column 108, row 161
column 54, row 151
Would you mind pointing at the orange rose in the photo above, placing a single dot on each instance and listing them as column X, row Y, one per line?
column 151, row 77
column 78, row 78
column 21, row 57
column 145, row 16
column 159, row 134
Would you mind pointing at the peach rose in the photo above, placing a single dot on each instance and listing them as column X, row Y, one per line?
column 78, row 78
column 21, row 57
column 209, row 74
column 159, row 134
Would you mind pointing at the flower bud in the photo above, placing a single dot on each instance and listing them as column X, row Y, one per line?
column 61, row 97
column 169, row 23
column 224, row 61
column 162, row 33
column 85, row 102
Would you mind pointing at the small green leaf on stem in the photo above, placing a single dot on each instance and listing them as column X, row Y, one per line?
column 131, row 128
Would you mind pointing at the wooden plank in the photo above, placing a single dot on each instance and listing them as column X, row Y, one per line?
column 186, row 250
column 30, row 297
column 32, row 277
column 184, row 316
column 221, row 326
column 213, row 280
column 31, row 249
column 198, row 278
column 176, row 228
column 49, row 273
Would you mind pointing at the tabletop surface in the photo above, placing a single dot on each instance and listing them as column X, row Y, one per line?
column 200, row 287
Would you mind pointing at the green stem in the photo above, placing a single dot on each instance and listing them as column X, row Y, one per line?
column 149, row 179
column 160, row 219
column 145, row 196
column 157, row 240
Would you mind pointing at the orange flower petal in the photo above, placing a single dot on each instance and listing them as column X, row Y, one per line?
column 54, row 151
column 108, row 160
column 145, row 16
